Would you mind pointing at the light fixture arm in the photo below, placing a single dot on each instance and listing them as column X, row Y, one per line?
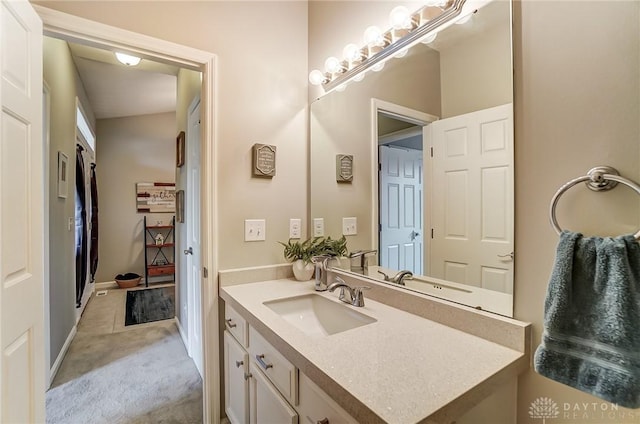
column 395, row 47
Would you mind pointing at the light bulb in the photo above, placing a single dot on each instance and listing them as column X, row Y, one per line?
column 373, row 35
column 429, row 38
column 127, row 59
column 316, row 77
column 359, row 77
column 400, row 18
column 332, row 65
column 377, row 68
column 351, row 53
column 341, row 87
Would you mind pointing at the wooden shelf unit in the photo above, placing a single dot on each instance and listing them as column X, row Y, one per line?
column 159, row 259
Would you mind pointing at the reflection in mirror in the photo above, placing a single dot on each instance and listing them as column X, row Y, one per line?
column 431, row 137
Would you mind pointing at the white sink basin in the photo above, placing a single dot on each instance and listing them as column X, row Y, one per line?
column 317, row 315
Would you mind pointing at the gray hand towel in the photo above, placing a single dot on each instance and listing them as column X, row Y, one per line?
column 591, row 338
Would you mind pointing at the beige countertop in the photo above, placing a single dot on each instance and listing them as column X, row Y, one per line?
column 400, row 369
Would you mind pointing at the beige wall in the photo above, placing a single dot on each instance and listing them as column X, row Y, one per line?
column 129, row 150
column 476, row 74
column 262, row 98
column 61, row 76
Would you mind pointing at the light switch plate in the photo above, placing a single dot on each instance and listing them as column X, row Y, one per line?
column 349, row 226
column 295, row 228
column 318, row 227
column 254, row 229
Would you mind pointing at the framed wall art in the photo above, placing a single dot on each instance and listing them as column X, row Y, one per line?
column 63, row 175
column 180, row 146
column 155, row 197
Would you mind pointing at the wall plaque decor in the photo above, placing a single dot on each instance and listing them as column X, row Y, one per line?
column 63, row 174
column 155, row 197
column 180, row 206
column 264, row 160
column 180, row 140
column 344, row 168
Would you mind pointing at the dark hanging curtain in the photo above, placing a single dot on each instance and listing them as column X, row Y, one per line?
column 81, row 227
column 93, row 250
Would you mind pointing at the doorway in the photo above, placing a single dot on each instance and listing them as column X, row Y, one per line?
column 70, row 28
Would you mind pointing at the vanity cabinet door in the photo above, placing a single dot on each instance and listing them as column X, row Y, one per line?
column 236, row 383
column 267, row 405
column 316, row 407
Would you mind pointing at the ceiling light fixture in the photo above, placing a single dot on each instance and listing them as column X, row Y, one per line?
column 127, row 59
column 407, row 29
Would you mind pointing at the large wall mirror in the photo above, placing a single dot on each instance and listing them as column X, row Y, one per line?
column 431, row 188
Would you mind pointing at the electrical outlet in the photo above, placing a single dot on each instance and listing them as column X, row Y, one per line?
column 295, row 228
column 254, row 229
column 349, row 226
column 318, row 227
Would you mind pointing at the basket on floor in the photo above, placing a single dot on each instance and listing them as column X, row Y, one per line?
column 127, row 284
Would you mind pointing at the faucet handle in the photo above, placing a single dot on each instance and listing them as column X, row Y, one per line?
column 358, row 296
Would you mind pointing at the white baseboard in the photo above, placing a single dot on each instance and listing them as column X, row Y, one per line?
column 61, row 355
column 183, row 335
column 106, row 285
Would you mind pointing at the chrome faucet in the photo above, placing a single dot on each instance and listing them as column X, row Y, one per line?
column 322, row 265
column 354, row 296
column 362, row 255
column 398, row 278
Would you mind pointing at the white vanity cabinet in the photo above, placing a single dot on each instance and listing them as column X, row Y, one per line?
column 261, row 386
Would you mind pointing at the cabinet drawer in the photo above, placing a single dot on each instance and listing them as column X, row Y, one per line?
column 236, row 325
column 277, row 369
column 161, row 270
column 317, row 407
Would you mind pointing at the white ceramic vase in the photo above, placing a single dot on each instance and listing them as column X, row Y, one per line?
column 302, row 271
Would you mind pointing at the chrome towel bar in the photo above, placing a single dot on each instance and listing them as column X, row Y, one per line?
column 600, row 178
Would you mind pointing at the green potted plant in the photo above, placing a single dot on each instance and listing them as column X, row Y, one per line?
column 338, row 250
column 300, row 254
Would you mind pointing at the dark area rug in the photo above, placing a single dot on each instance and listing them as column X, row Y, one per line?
column 150, row 305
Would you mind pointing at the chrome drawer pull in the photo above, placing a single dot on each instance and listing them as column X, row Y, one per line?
column 325, row 420
column 229, row 324
column 239, row 363
column 260, row 359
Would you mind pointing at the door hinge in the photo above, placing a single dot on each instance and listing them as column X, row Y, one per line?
column 205, row 272
column 431, row 150
column 379, row 227
column 432, row 233
column 379, row 167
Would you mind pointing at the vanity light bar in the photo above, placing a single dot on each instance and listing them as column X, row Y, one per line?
column 392, row 42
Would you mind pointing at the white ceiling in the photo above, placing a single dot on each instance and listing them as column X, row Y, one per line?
column 115, row 90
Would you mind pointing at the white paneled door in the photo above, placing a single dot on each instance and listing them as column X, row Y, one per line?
column 401, row 209
column 22, row 361
column 472, row 195
column 194, row 260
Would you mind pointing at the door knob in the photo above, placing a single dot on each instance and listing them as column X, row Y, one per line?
column 188, row 251
column 508, row 255
column 413, row 235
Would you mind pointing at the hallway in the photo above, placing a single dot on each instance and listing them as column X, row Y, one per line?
column 118, row 374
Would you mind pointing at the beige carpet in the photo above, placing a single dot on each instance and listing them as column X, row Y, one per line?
column 118, row 374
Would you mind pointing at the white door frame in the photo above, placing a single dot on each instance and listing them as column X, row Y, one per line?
column 73, row 28
column 405, row 114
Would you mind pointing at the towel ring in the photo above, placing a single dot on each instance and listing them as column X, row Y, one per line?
column 601, row 178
